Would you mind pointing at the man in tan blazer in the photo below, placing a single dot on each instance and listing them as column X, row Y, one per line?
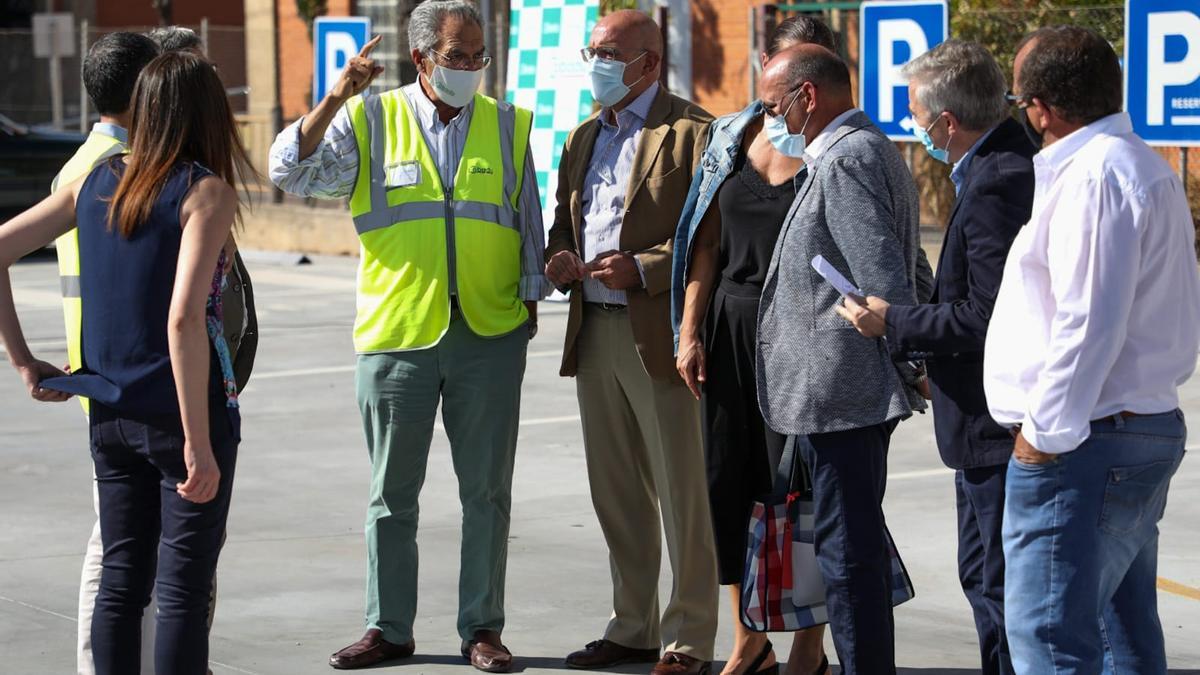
column 623, row 178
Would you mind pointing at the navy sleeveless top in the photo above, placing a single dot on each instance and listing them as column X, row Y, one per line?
column 126, row 286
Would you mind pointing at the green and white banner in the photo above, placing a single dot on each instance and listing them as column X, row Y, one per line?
column 547, row 76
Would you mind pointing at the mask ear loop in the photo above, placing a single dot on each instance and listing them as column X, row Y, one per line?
column 635, row 82
column 934, row 124
column 789, row 109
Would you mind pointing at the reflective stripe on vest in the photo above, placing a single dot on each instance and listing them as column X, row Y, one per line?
column 422, row 241
column 96, row 149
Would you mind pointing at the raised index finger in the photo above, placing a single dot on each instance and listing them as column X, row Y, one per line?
column 367, row 48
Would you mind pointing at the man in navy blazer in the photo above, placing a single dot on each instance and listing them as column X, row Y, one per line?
column 957, row 99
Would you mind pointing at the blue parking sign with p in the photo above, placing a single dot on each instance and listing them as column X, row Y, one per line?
column 335, row 41
column 892, row 33
column 1162, row 70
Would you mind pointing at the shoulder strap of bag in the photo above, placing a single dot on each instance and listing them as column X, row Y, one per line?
column 785, row 471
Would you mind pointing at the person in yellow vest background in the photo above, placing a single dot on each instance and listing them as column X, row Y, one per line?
column 444, row 197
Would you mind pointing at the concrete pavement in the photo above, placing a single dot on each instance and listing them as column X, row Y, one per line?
column 291, row 577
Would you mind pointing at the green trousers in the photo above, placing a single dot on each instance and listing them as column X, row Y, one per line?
column 478, row 381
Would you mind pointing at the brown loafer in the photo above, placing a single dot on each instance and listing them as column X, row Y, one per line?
column 606, row 653
column 370, row 650
column 487, row 653
column 674, row 663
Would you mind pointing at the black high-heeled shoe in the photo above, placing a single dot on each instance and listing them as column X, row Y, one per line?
column 763, row 655
column 823, row 667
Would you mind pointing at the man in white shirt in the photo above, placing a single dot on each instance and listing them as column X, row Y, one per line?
column 1096, row 325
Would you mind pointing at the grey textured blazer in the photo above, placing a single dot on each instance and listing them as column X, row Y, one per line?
column 858, row 208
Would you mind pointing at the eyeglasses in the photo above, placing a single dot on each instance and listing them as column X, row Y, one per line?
column 1021, row 100
column 460, row 61
column 795, row 97
column 602, row 53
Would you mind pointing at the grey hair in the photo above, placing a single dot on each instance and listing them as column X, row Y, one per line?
column 963, row 78
column 426, row 21
column 172, row 38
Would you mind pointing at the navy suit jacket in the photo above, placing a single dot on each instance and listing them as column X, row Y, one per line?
column 994, row 203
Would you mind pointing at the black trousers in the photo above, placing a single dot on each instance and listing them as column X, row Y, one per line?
column 740, row 450
column 980, row 494
column 849, row 476
column 154, row 539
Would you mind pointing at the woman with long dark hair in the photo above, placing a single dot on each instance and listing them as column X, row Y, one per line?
column 164, row 420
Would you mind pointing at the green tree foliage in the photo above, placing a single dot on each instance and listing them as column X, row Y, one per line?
column 607, row 6
column 999, row 25
column 310, row 10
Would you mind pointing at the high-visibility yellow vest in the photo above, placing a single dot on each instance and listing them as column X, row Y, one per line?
column 421, row 240
column 97, row 148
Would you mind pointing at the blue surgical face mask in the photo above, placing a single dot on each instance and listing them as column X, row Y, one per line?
column 940, row 154
column 608, row 80
column 787, row 143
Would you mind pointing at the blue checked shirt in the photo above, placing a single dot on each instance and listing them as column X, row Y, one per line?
column 332, row 169
column 605, row 185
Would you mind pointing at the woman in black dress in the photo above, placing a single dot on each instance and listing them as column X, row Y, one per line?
column 730, row 252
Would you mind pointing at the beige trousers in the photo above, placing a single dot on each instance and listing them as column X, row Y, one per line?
column 645, row 455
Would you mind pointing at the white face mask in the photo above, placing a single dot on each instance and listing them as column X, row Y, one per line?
column 455, row 88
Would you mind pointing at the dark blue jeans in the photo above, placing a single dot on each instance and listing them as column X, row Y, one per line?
column 154, row 539
column 1081, row 545
column 849, row 475
column 980, row 494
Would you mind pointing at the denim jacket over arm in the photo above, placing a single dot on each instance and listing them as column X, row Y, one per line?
column 724, row 142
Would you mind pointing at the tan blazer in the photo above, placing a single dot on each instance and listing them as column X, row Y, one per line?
column 669, row 148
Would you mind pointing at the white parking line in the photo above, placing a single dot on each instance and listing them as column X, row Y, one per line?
column 300, row 372
column 41, row 344
column 923, row 473
column 327, row 370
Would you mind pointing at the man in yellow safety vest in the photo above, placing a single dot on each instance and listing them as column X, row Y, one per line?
column 444, row 197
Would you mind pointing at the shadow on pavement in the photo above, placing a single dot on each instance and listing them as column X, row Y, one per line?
column 965, row 671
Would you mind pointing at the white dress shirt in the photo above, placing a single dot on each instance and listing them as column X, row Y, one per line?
column 332, row 169
column 814, row 148
column 1099, row 309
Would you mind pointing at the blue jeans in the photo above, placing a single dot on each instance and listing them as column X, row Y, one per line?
column 154, row 539
column 1081, row 547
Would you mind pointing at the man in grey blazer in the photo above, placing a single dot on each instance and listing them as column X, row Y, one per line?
column 836, row 392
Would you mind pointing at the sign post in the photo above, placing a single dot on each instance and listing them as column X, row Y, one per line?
column 892, row 33
column 54, row 38
column 1162, row 73
column 336, row 40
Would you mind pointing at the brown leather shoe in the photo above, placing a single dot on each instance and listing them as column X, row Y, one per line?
column 674, row 663
column 606, row 653
column 487, row 653
column 368, row 651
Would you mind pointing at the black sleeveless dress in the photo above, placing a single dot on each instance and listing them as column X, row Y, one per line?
column 740, row 450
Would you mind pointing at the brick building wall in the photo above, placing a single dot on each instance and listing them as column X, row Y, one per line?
column 226, row 31
column 722, row 53
column 296, row 56
column 127, row 13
